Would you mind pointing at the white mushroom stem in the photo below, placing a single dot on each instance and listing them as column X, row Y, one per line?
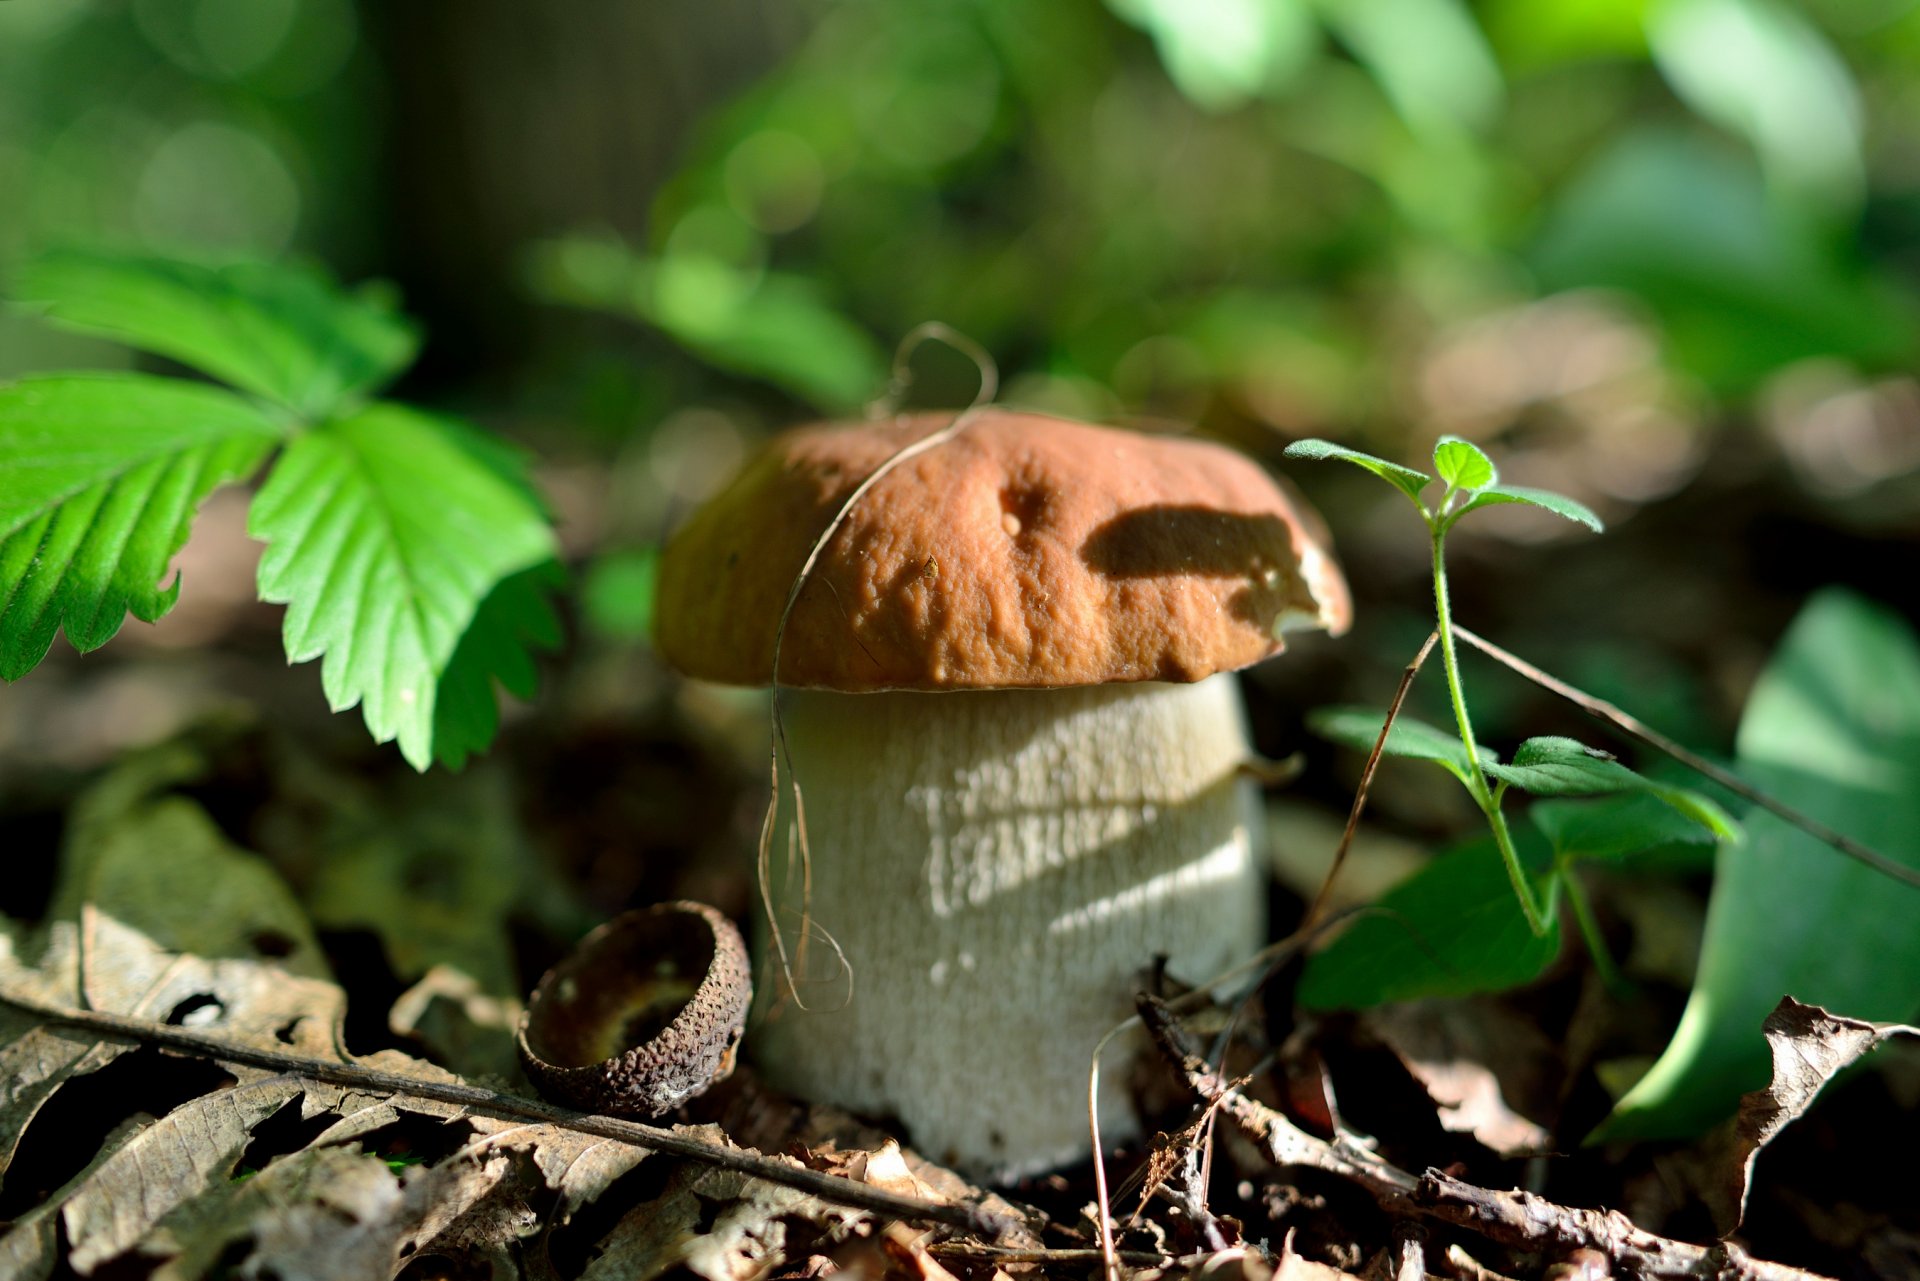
column 997, row 868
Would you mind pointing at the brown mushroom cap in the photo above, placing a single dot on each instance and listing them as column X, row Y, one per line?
column 1027, row 551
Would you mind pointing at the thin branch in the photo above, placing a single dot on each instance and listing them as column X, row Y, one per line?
column 1518, row 1219
column 969, row 1218
column 1632, row 726
column 1366, row 783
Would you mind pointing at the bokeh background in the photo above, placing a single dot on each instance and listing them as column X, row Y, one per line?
column 1663, row 255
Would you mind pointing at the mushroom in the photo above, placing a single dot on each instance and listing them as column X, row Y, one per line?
column 1011, row 715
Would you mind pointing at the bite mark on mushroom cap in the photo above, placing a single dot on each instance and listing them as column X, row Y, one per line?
column 1026, row 552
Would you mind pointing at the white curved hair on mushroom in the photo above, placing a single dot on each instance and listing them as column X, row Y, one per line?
column 1019, row 745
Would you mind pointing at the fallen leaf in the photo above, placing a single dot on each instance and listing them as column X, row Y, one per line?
column 720, row 1226
column 1470, row 1057
column 1810, row 1047
column 1833, row 729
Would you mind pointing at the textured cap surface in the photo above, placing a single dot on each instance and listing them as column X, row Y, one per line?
column 1024, row 552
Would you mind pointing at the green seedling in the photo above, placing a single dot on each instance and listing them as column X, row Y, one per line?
column 1628, row 813
column 410, row 549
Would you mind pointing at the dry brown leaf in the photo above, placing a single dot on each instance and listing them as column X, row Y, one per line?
column 748, row 1229
column 1810, row 1047
column 1469, row 1056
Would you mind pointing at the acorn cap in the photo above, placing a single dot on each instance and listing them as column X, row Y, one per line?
column 645, row 1013
column 1025, row 552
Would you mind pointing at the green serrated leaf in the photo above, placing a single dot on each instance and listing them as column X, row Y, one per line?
column 1405, row 479
column 285, row 333
column 1359, row 728
column 1558, row 504
column 1461, row 463
column 516, row 619
column 103, row 473
column 1565, row 767
column 1452, row 928
column 385, row 534
column 1833, row 729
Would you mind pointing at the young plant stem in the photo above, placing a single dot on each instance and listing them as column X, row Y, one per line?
column 1636, row 728
column 1610, row 975
column 1477, row 784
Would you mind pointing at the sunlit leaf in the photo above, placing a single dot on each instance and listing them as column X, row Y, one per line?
column 288, row 334
column 514, row 621
column 1461, row 463
column 1359, row 728
column 1223, row 52
column 1832, row 728
column 1454, row 927
column 385, row 534
column 1558, row 504
column 1405, row 479
column 1565, row 767
column 1428, row 57
column 102, row 476
column 1762, row 70
column 1743, row 284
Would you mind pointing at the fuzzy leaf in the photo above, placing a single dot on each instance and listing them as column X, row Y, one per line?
column 103, row 473
column 1405, row 479
column 1558, row 504
column 1564, row 767
column 1452, row 928
column 288, row 334
column 1461, row 464
column 386, row 532
column 1359, row 728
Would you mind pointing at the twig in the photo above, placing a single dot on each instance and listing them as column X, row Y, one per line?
column 1632, row 726
column 1366, row 782
column 1525, row 1220
column 828, row 1187
column 1509, row 1218
column 998, row 1254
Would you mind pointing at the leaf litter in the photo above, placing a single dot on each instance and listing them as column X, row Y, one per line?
column 269, row 1173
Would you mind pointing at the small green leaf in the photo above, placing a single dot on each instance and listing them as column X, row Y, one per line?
column 385, row 534
column 1461, row 464
column 1359, row 728
column 288, row 334
column 1405, row 479
column 515, row 619
column 1564, row 767
column 1558, row 504
column 1452, row 928
column 102, row 475
column 1616, row 827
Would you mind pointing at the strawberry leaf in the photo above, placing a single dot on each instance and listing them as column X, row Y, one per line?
column 514, row 620
column 103, row 473
column 287, row 334
column 386, row 533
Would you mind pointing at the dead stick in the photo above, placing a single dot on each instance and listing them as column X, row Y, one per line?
column 1510, row 1218
column 1366, row 782
column 839, row 1191
column 1632, row 726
